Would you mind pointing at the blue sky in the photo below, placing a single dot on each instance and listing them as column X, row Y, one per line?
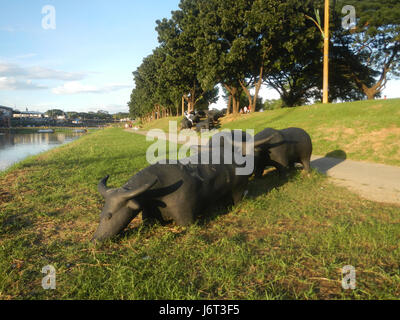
column 86, row 62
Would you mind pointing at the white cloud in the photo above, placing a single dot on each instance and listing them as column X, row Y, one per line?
column 75, row 87
column 14, row 70
column 14, row 84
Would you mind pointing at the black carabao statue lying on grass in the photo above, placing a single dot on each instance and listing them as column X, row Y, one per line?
column 287, row 147
column 170, row 192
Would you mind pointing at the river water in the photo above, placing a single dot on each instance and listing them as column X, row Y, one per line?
column 15, row 147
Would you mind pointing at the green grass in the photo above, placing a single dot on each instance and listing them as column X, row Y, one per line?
column 284, row 241
column 363, row 130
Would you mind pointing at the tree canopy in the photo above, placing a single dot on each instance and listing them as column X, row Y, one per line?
column 242, row 44
column 375, row 43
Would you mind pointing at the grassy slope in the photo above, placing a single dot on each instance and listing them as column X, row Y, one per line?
column 364, row 130
column 284, row 241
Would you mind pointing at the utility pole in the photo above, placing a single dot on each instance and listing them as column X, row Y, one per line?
column 326, row 54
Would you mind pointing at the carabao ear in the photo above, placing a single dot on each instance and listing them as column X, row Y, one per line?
column 133, row 204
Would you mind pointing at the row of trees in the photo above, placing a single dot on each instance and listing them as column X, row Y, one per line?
column 243, row 44
column 99, row 115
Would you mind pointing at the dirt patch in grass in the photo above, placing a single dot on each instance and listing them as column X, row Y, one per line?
column 9, row 179
column 377, row 139
column 333, row 134
column 339, row 130
column 231, row 118
column 376, row 107
column 76, row 230
column 360, row 141
column 5, row 196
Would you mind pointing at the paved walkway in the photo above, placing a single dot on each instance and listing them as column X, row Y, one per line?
column 373, row 181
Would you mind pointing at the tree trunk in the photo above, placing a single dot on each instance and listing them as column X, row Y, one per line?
column 191, row 101
column 371, row 94
column 381, row 84
column 247, row 92
column 237, row 106
column 228, row 110
column 235, row 99
column 257, row 86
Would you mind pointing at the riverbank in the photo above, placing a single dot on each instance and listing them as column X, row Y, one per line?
column 36, row 129
column 284, row 241
column 17, row 145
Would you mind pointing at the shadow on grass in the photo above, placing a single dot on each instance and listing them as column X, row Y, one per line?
column 271, row 180
column 14, row 223
column 256, row 187
column 330, row 160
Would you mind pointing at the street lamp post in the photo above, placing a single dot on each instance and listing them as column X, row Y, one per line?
column 326, row 54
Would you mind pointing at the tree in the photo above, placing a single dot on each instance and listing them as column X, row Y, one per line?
column 375, row 42
column 144, row 98
column 53, row 113
column 342, row 85
column 245, row 43
column 71, row 114
column 272, row 104
column 176, row 36
column 221, row 47
column 295, row 68
column 103, row 115
column 120, row 115
column 342, row 62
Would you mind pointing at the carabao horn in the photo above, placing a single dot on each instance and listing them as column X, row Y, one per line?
column 102, row 186
column 126, row 194
column 256, row 143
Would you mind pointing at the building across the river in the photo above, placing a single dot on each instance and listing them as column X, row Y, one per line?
column 28, row 114
column 6, row 114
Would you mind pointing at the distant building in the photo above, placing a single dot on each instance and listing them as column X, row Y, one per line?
column 6, row 114
column 28, row 114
